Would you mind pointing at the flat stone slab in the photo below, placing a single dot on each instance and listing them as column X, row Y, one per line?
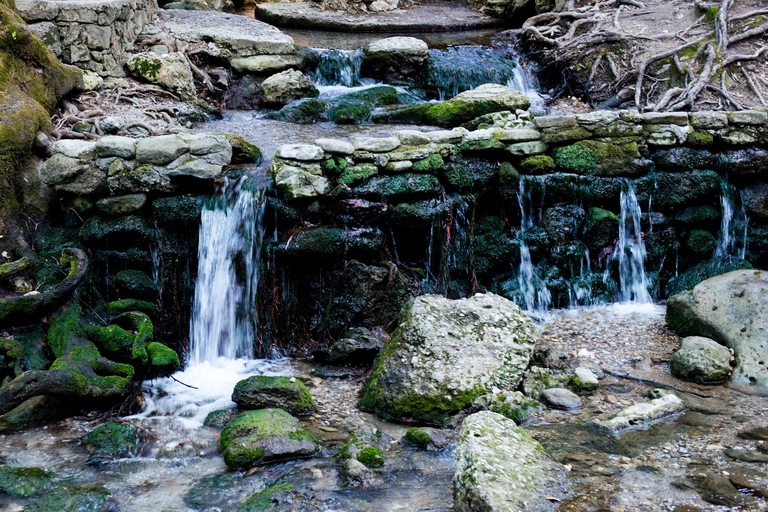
column 237, row 36
column 433, row 17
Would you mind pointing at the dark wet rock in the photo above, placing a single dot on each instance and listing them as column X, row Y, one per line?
column 395, row 59
column 562, row 222
column 212, row 491
column 678, row 190
column 350, row 112
column 683, row 159
column 356, row 474
column 750, row 483
column 366, row 445
column 114, row 231
column 600, row 228
column 263, row 500
column 265, row 435
column 719, row 490
column 115, row 440
column 700, row 216
column 746, row 456
column 702, row 271
column 74, row 499
column 136, row 284
column 755, row 199
column 732, row 309
column 359, row 345
column 560, row 398
column 24, row 482
column 220, row 418
column 402, row 187
column 500, row 467
column 697, row 419
column 511, row 404
column 701, row 243
column 746, row 163
column 709, row 406
column 755, row 433
column 441, row 356
column 701, row 360
column 261, row 391
column 427, row 438
column 243, row 94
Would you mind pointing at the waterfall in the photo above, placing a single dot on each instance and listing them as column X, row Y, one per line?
column 733, row 224
column 525, row 81
column 630, row 250
column 535, row 294
column 223, row 315
column 338, row 67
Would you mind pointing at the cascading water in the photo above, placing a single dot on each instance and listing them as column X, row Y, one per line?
column 535, row 294
column 339, row 67
column 630, row 250
column 733, row 224
column 223, row 325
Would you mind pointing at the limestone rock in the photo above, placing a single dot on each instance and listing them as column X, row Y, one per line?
column 337, row 147
column 500, row 467
column 731, row 309
column 295, row 182
column 71, row 169
column 395, row 59
column 701, row 360
column 641, row 414
column 468, row 105
column 260, row 64
column 170, row 71
column 258, row 437
column 283, row 88
column 445, row 353
column 511, row 404
column 301, row 152
column 376, row 144
column 561, row 398
column 261, row 391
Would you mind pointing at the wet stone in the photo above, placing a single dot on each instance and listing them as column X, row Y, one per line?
column 561, row 398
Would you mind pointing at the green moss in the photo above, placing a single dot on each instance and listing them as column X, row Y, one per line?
column 508, row 175
column 711, row 14
column 242, row 150
column 162, row 356
column 356, row 174
column 136, row 282
column 576, row 158
column 600, row 227
column 63, row 327
column 350, row 113
column 110, row 338
column 371, row 457
column 537, row 164
column 262, row 500
column 699, row 139
column 434, row 162
column 114, row 439
column 418, row 436
column 24, row 482
column 580, row 387
column 334, row 166
column 481, row 145
column 126, row 305
column 297, row 397
column 147, row 65
column 413, row 114
column 379, row 96
column 306, row 111
column 73, row 499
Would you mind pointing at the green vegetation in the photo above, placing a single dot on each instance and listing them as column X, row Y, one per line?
column 262, row 500
column 418, row 436
column 24, row 482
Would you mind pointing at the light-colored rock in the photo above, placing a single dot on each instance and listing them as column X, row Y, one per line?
column 91, row 81
column 501, row 468
column 74, row 148
column 709, row 120
column 527, row 148
column 376, row 145
column 336, row 147
column 112, row 124
column 701, row 360
column 295, row 182
column 398, row 47
column 287, row 86
column 301, row 152
column 584, row 381
column 399, row 166
column 753, row 117
column 468, row 105
column 511, row 404
column 678, row 118
column 566, row 121
column 170, row 71
column 731, row 309
column 412, row 137
column 121, row 205
column 446, row 136
column 123, row 147
column 519, row 135
column 160, row 150
column 561, row 398
column 445, row 353
column 260, row 64
column 642, row 414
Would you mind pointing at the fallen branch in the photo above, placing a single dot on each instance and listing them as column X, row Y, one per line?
column 655, row 383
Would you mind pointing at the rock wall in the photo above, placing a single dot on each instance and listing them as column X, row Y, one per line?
column 361, row 225
column 95, row 35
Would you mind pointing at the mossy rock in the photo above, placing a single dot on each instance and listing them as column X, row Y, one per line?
column 306, row 111
column 696, row 274
column 511, row 404
column 366, row 445
column 178, row 209
column 329, row 242
column 418, row 214
column 243, row 151
column 469, row 173
column 356, row 174
column 262, row 391
column 378, row 96
column 220, row 418
column 508, row 175
column 601, row 227
column 127, row 230
column 265, row 435
column 434, row 162
column 673, row 191
column 115, row 440
column 601, row 158
column 537, row 164
column 466, row 106
column 418, row 436
column 136, row 284
column 402, row 187
column 163, row 360
column 263, row 500
column 24, row 482
column 119, row 307
column 74, row 499
column 412, row 114
column 701, row 242
column 350, row 112
column 699, row 216
column 110, row 338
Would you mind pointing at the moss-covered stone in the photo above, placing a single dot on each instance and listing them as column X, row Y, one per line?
column 418, row 436
column 110, row 338
column 328, row 242
column 434, row 162
column 513, row 405
column 162, row 359
column 701, row 242
column 102, row 232
column 178, row 209
column 73, row 499
column 356, row 174
column 700, row 216
column 220, row 418
column 576, row 158
column 114, row 440
column 596, row 157
column 412, row 114
column 24, row 482
column 350, row 112
column 469, row 173
column 261, row 391
column 371, row 457
column 366, row 445
column 263, row 500
column 400, row 187
column 378, row 96
column 696, row 274
column 542, row 164
column 306, row 111
column 118, row 307
column 136, row 284
column 242, row 150
column 601, row 227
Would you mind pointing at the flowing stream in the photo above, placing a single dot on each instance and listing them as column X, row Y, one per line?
column 630, row 250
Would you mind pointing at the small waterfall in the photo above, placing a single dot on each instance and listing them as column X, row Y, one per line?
column 338, row 67
column 223, row 316
column 526, row 82
column 630, row 250
column 460, row 68
column 580, row 286
column 535, row 294
column 733, row 223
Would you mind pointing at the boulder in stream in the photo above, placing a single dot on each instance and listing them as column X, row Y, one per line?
column 468, row 105
column 287, row 86
column 261, row 391
column 731, row 309
column 500, row 467
column 395, row 59
column 641, row 414
column 266, row 435
column 24, row 482
column 701, row 360
column 445, row 353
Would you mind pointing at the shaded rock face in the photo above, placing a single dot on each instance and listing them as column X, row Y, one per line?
column 446, row 353
column 731, row 309
column 500, row 467
column 701, row 360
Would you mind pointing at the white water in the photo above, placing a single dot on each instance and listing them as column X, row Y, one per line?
column 733, row 224
column 534, row 291
column 526, row 82
column 223, row 327
column 630, row 250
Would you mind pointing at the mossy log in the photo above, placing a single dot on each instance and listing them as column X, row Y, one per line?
column 24, row 309
column 11, row 269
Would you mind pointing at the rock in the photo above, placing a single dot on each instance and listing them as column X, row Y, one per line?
column 220, row 418
column 731, row 309
column 163, row 361
column 294, row 182
column 264, row 64
column 500, row 467
column 350, row 112
column 755, row 198
column 121, row 147
column 121, row 205
column 446, row 353
column 283, row 88
column 538, row 379
column 261, row 391
column 376, row 145
column 306, row 111
column 359, row 345
column 136, row 284
column 336, row 147
column 366, row 445
column 745, row 163
column 468, row 105
column 395, row 59
column 356, row 474
column 24, row 482
column 584, row 382
column 601, row 227
column 112, row 125
column 70, row 168
column 170, row 71
column 115, row 440
column 264, row 500
column 72, row 499
column 701, row 360
column 160, row 150
column 561, row 398
column 746, row 456
column 266, row 435
column 641, row 415
column 511, row 404
column 426, row 438
column 91, row 82
column 412, row 137
column 300, row 152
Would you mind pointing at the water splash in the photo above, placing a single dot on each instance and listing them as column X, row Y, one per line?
column 223, row 315
column 733, row 223
column 339, row 67
column 630, row 250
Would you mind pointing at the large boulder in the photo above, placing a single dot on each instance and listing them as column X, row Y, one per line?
column 283, row 88
column 482, row 100
column 262, row 391
column 445, row 353
column 170, row 71
column 258, row 437
column 500, row 467
column 701, row 360
column 395, row 59
column 731, row 309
